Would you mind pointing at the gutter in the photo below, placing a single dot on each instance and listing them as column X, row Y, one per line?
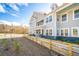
column 60, row 8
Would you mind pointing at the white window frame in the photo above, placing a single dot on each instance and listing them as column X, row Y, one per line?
column 46, row 21
column 66, row 19
column 49, row 32
column 64, row 31
column 74, row 14
column 61, row 29
column 59, row 32
column 72, row 31
column 49, row 19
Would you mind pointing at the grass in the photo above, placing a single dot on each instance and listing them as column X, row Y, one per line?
column 16, row 46
column 5, row 44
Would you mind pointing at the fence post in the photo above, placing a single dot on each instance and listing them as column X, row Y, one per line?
column 33, row 38
column 36, row 39
column 50, row 47
column 41, row 42
column 70, row 53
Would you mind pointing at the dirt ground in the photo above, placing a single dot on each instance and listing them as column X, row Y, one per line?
column 27, row 48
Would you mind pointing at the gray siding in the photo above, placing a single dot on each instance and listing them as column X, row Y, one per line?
column 71, row 23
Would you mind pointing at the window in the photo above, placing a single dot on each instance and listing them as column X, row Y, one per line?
column 50, row 18
column 62, row 33
column 42, row 31
column 57, row 19
column 36, row 31
column 57, row 32
column 46, row 20
column 75, row 32
column 40, row 23
column 64, row 17
column 39, row 32
column 76, row 14
column 46, row 32
column 50, row 32
column 66, row 32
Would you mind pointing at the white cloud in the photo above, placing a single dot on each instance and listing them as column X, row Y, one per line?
column 2, row 9
column 9, row 23
column 5, row 22
column 11, row 5
column 12, row 23
column 14, row 15
column 25, row 25
column 14, row 7
column 15, row 24
column 25, row 4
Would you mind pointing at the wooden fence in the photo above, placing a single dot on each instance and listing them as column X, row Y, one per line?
column 60, row 47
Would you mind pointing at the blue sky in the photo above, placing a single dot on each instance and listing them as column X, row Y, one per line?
column 19, row 13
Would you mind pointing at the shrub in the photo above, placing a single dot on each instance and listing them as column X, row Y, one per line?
column 77, row 41
column 5, row 44
column 16, row 46
column 60, row 38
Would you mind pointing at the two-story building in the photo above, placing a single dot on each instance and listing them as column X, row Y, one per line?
column 35, row 22
column 63, row 21
column 67, row 23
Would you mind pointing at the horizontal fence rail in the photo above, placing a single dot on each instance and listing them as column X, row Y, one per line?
column 67, row 49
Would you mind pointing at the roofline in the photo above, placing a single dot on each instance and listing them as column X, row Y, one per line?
column 62, row 7
column 58, row 9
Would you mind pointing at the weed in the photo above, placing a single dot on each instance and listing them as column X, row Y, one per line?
column 16, row 46
column 5, row 44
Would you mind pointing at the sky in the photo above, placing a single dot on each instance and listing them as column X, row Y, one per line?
column 20, row 13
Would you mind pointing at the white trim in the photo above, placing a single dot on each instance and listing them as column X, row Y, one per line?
column 66, row 19
column 48, row 19
column 64, row 7
column 64, row 32
column 59, row 32
column 72, row 31
column 49, row 31
column 74, row 14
